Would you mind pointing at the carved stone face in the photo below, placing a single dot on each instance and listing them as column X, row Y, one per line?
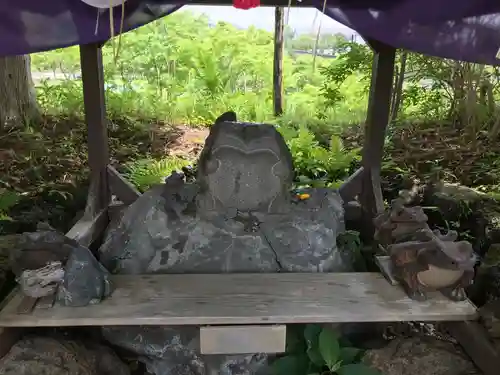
column 243, row 166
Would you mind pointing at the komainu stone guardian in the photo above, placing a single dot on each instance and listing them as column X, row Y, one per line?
column 424, row 260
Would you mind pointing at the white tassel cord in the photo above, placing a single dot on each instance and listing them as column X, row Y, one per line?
column 116, row 50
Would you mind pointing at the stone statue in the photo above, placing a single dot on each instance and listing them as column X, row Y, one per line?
column 239, row 216
column 244, row 167
column 424, row 260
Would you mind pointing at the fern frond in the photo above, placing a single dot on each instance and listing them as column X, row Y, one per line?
column 145, row 173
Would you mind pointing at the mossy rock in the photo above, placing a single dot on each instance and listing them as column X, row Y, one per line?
column 420, row 355
column 40, row 355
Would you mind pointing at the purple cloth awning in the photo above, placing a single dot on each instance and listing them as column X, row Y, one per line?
column 458, row 29
column 28, row 26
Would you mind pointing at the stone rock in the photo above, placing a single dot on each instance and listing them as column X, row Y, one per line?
column 486, row 286
column 33, row 250
column 168, row 350
column 489, row 315
column 420, row 355
column 85, row 282
column 85, row 279
column 147, row 239
column 452, row 199
column 58, row 356
column 174, row 351
column 477, row 213
column 239, row 216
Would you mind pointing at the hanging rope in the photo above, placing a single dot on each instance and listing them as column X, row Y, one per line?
column 315, row 52
column 100, row 10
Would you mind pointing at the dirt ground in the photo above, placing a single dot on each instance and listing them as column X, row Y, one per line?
column 188, row 141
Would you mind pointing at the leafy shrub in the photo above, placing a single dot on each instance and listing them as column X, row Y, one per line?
column 349, row 242
column 8, row 199
column 313, row 350
column 180, row 69
column 314, row 164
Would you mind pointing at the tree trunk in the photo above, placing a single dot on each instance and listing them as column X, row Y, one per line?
column 398, row 89
column 457, row 110
column 316, row 43
column 17, row 92
column 278, row 61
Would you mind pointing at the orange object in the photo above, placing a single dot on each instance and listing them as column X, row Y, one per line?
column 246, row 4
column 304, row 196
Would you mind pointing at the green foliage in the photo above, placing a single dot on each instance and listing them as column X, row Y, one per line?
column 8, row 199
column 349, row 242
column 317, row 165
column 312, row 349
column 354, row 59
column 145, row 173
column 307, row 42
column 181, row 70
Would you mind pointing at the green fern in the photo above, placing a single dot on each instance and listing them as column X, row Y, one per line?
column 312, row 161
column 148, row 172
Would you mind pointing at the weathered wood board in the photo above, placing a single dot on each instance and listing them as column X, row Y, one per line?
column 384, row 263
column 243, row 339
column 196, row 299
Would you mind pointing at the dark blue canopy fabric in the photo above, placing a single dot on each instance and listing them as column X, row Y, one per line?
column 458, row 29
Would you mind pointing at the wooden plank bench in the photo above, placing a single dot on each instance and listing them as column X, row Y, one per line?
column 240, row 299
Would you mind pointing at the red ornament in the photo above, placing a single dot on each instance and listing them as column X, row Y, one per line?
column 246, row 4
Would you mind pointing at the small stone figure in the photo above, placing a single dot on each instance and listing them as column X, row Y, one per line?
column 424, row 260
column 43, row 281
column 47, row 262
column 399, row 223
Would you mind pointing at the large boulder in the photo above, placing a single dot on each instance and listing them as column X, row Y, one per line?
column 148, row 239
column 60, row 356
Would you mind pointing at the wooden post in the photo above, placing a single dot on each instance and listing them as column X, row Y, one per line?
column 95, row 117
column 278, row 61
column 379, row 104
column 476, row 343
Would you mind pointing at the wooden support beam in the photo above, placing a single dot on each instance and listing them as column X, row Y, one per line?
column 475, row 341
column 123, row 189
column 95, row 116
column 88, row 229
column 8, row 336
column 351, row 187
column 379, row 103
